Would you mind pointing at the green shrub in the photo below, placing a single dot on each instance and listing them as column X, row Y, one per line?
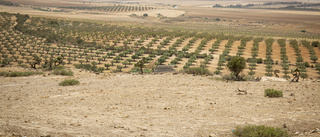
column 273, row 93
column 304, row 75
column 19, row 74
column 62, row 72
column 69, row 82
column 24, row 66
column 197, row 71
column 228, row 77
column 146, row 70
column 232, row 77
column 137, row 69
column 315, row 43
column 251, row 60
column 268, row 61
column 3, row 73
column 217, row 72
column 260, row 131
column 269, row 74
column 228, row 58
column 286, row 76
column 259, row 60
column 317, row 66
column 58, row 67
column 250, row 78
column 251, row 73
column 87, row 67
column 307, row 64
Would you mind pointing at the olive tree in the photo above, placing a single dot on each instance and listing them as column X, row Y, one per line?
column 107, row 65
column 236, row 65
column 101, row 69
column 314, row 58
column 141, row 64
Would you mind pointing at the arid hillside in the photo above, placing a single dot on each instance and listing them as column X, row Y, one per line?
column 151, row 105
column 104, row 44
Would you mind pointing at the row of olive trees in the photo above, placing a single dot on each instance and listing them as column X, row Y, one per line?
column 90, row 42
column 242, row 46
column 269, row 61
column 284, row 58
column 312, row 53
column 299, row 59
column 224, row 57
column 254, row 53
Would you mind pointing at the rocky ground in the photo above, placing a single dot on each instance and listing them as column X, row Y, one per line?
column 125, row 104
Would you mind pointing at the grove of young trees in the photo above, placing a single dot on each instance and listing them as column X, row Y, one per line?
column 102, row 47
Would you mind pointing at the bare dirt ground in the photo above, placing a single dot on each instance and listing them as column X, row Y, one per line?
column 103, row 16
column 50, row 2
column 74, row 15
column 281, row 19
column 277, row 19
column 150, row 105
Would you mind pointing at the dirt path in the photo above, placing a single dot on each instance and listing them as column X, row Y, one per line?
column 195, row 45
column 276, row 52
column 262, row 50
column 208, row 46
column 247, row 50
column 183, row 44
column 214, row 63
column 305, row 54
column 290, row 53
column 234, row 48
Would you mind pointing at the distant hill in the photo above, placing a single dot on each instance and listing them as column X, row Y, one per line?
column 7, row 3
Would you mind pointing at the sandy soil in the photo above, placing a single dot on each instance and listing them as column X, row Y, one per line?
column 292, row 20
column 242, row 18
column 103, row 16
column 73, row 15
column 150, row 105
column 50, row 2
column 163, row 12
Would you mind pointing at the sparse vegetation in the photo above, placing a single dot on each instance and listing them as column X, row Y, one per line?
column 86, row 66
column 7, row 3
column 260, row 131
column 197, row 71
column 299, row 6
column 69, row 82
column 19, row 74
column 62, row 72
column 272, row 93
